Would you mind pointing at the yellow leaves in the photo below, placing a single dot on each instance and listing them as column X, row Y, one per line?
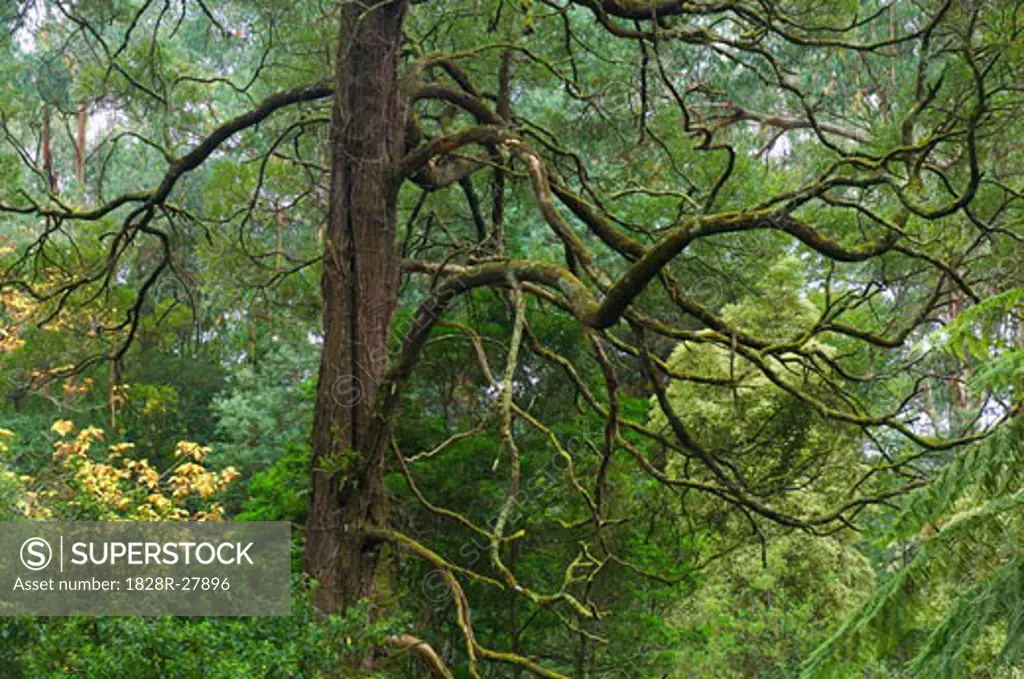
column 206, row 485
column 72, row 389
column 227, row 476
column 66, row 450
column 16, row 308
column 190, row 449
column 103, row 482
column 120, row 487
column 159, row 507
column 62, row 427
column 159, row 501
column 146, row 475
column 190, row 470
column 6, row 434
column 30, row 506
column 9, row 341
column 80, row 446
column 119, row 449
column 88, row 435
column 191, row 478
column 215, row 513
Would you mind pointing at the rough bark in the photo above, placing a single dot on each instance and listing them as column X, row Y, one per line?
column 359, row 288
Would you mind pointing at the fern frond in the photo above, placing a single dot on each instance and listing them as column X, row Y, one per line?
column 997, row 463
column 980, row 541
column 946, row 652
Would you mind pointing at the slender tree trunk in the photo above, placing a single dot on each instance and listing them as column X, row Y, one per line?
column 112, row 396
column 359, row 288
column 278, row 262
column 51, row 175
column 80, row 144
column 252, row 337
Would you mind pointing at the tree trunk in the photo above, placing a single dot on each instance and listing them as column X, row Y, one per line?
column 80, row 144
column 112, row 396
column 359, row 288
column 51, row 175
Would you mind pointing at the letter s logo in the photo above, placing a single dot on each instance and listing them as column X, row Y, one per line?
column 36, row 554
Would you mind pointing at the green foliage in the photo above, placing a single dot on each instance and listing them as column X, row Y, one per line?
column 281, row 492
column 750, row 618
column 303, row 644
column 655, row 124
column 267, row 404
column 11, row 488
column 985, row 332
column 962, row 580
column 751, row 420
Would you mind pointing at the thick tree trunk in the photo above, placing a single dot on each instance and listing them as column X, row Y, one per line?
column 359, row 296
